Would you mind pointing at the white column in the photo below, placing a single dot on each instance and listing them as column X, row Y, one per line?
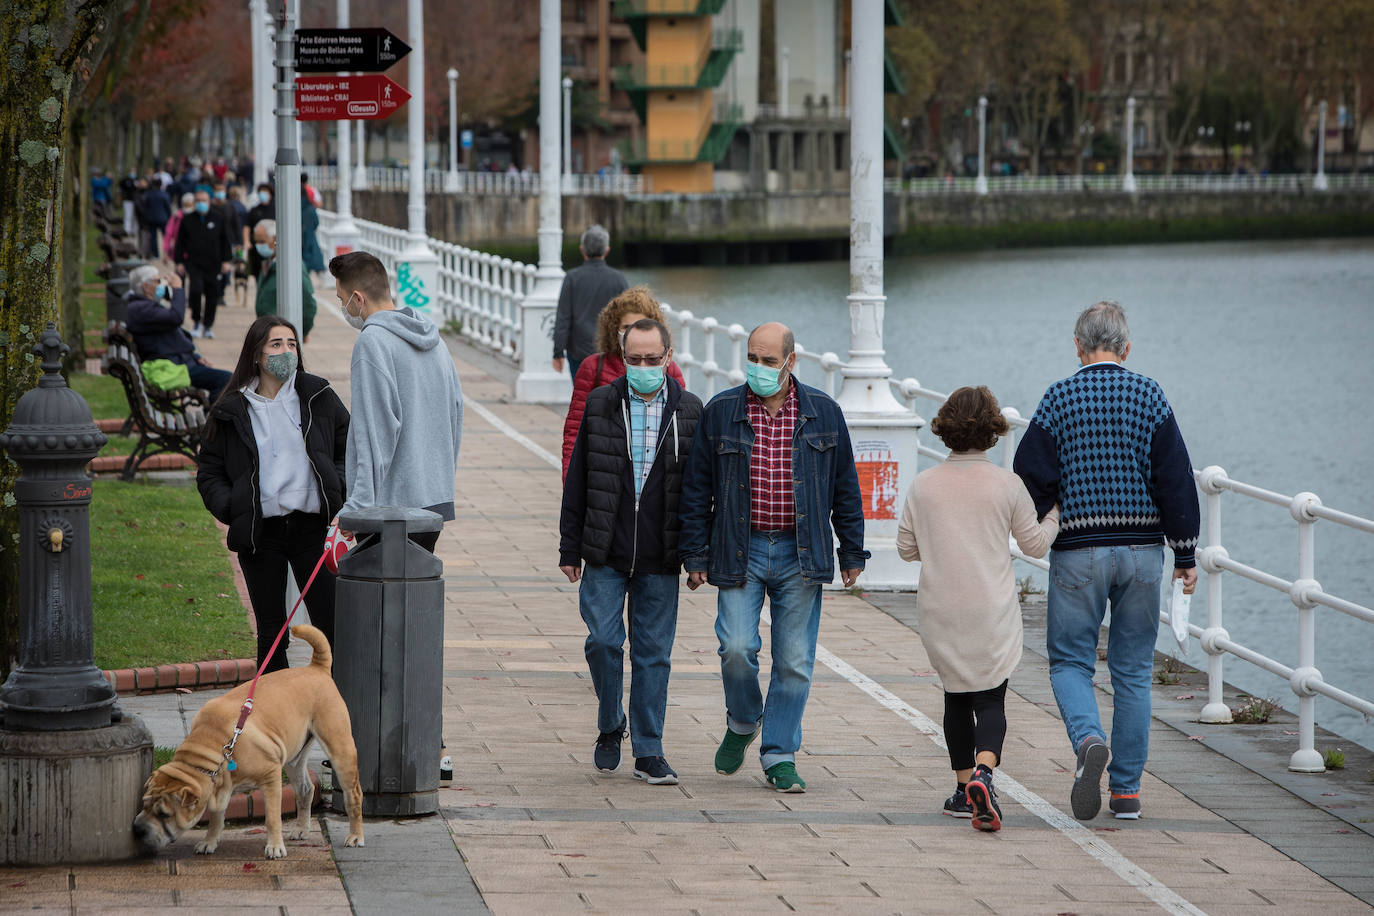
column 1128, row 180
column 782, row 81
column 1319, row 180
column 567, row 125
column 360, row 172
column 882, row 429
column 288, row 182
column 343, row 236
column 264, row 128
column 451, row 177
column 980, row 185
column 538, row 381
column 417, row 269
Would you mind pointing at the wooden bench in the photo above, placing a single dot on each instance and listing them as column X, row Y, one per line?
column 167, row 421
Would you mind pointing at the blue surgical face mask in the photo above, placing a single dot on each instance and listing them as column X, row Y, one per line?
column 281, row 364
column 220, row 195
column 202, row 206
column 265, row 197
column 762, row 380
column 264, row 250
column 645, row 379
column 160, row 292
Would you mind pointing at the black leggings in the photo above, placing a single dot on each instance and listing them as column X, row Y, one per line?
column 296, row 539
column 974, row 722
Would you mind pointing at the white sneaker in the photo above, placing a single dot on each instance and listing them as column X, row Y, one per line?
column 209, row 334
column 197, row 331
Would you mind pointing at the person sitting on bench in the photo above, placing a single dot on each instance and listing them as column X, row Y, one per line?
column 156, row 310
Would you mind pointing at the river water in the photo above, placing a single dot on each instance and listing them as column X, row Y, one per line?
column 1263, row 348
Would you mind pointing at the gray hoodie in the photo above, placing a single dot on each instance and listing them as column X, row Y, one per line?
column 407, row 416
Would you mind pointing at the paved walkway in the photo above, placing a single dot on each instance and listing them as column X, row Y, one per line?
column 540, row 831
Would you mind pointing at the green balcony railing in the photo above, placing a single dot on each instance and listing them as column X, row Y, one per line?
column 664, row 152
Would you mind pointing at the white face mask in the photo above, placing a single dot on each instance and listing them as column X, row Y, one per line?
column 357, row 320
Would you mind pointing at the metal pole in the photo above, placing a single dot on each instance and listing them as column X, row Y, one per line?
column 288, row 183
column 537, row 380
column 882, row 429
column 343, row 235
column 417, row 270
column 782, row 82
column 257, row 37
column 567, row 125
column 1128, row 180
column 451, row 179
column 981, row 184
column 360, row 172
column 1319, row 182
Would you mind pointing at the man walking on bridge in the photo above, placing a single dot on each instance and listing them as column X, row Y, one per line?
column 771, row 472
column 1104, row 444
column 586, row 291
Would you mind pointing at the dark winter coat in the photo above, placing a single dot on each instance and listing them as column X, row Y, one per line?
column 203, row 241
column 227, row 469
column 596, row 370
column 602, row 523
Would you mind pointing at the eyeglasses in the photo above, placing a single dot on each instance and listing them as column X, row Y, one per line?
column 646, row 360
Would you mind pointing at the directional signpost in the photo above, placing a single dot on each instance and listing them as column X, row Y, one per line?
column 359, row 50
column 352, row 98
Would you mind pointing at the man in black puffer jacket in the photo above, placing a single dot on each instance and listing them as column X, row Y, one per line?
column 620, row 517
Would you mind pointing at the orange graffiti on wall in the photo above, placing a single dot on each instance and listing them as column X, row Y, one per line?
column 877, row 481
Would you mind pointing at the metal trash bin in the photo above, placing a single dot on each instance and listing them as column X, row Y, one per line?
column 388, row 659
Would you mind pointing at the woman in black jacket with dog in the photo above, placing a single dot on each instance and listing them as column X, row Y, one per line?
column 272, row 469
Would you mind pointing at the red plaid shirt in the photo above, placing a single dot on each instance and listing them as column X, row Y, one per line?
column 772, row 507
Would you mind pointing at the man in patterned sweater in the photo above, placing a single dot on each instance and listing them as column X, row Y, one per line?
column 1104, row 445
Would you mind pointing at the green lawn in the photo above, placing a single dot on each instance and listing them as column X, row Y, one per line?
column 103, row 392
column 162, row 587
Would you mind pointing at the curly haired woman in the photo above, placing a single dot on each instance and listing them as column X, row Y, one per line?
column 956, row 521
column 608, row 364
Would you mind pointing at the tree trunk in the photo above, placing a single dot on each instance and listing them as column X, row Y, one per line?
column 47, row 47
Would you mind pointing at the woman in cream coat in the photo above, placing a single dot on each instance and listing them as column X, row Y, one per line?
column 956, row 521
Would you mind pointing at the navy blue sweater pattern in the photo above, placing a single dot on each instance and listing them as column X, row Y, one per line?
column 1104, row 445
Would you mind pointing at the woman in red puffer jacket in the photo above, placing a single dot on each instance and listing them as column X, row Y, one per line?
column 606, row 365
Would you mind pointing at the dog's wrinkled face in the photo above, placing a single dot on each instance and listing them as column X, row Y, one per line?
column 171, row 806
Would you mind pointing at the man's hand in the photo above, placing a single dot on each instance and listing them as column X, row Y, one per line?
column 1189, row 577
column 558, row 364
column 572, row 572
column 696, row 580
column 225, row 267
column 204, row 362
column 174, row 281
column 849, row 577
column 181, row 270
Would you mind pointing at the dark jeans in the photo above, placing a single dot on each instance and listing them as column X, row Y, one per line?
column 212, row 380
column 298, row 540
column 975, row 721
column 573, row 363
column 202, row 284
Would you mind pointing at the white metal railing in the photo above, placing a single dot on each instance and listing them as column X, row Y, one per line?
column 715, row 366
column 482, row 293
column 512, row 183
column 1066, row 184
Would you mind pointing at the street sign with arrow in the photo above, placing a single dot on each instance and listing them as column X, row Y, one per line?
column 347, row 98
column 359, row 50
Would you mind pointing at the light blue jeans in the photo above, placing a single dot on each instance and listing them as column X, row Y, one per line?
column 1082, row 583
column 653, row 626
column 795, row 607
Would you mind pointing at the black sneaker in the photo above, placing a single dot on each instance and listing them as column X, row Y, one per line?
column 655, row 771
column 957, row 804
column 607, row 753
column 1086, row 797
column 1125, row 807
column 982, row 798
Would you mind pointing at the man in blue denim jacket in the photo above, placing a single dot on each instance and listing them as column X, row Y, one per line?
column 771, row 471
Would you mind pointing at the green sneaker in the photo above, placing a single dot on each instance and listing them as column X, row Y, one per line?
column 783, row 777
column 730, row 754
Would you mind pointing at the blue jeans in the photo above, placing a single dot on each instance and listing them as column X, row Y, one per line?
column 653, row 626
column 1082, row 582
column 795, row 606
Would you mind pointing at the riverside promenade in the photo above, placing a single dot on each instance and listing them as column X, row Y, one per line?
column 528, row 825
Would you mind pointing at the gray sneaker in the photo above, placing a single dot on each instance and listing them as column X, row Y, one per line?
column 1086, row 797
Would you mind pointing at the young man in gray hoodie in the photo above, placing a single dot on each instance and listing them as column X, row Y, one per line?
column 407, row 412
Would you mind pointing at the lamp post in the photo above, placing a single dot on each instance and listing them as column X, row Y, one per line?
column 451, row 178
column 344, row 236
column 1128, row 180
column 882, row 430
column 567, row 125
column 782, row 81
column 980, row 185
column 1319, row 180
column 360, row 171
column 417, row 269
column 264, row 129
column 1242, row 140
column 287, row 200
column 537, row 381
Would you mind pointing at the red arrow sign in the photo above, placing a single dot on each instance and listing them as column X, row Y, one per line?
column 347, row 98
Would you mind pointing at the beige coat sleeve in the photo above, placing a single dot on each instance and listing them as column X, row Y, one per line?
column 907, row 547
column 1034, row 538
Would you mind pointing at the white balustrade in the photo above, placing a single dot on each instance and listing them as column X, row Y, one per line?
column 1166, row 184
column 501, row 183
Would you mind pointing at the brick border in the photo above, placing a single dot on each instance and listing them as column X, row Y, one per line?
column 166, row 461
column 248, row 806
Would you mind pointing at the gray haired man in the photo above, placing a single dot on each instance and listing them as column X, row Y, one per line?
column 586, row 290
